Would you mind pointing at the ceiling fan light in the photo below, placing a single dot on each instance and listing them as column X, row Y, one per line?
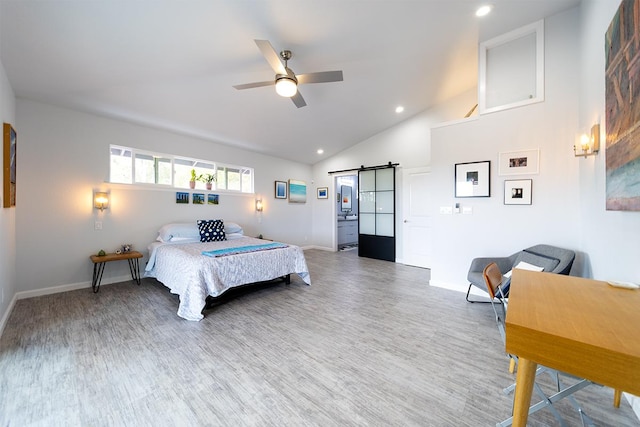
column 286, row 86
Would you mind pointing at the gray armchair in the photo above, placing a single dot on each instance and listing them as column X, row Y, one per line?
column 551, row 258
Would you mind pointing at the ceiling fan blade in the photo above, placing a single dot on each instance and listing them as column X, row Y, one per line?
column 256, row 84
column 298, row 100
column 271, row 56
column 321, row 77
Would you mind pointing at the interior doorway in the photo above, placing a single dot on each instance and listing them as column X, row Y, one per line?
column 346, row 191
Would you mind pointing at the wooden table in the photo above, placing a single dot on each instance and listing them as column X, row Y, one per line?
column 579, row 326
column 99, row 262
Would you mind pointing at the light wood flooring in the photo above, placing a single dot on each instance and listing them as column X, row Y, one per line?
column 369, row 343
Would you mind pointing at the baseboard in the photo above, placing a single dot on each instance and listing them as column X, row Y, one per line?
column 321, row 248
column 69, row 287
column 457, row 287
column 7, row 313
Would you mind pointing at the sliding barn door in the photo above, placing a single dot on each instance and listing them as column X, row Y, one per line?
column 377, row 213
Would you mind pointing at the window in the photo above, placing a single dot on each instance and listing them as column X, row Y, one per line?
column 131, row 166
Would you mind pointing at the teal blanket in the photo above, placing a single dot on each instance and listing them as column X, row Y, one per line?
column 243, row 249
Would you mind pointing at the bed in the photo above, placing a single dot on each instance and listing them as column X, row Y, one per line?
column 195, row 269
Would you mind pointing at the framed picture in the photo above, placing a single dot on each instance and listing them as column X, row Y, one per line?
column 9, row 167
column 213, row 199
column 297, row 191
column 517, row 192
column 281, row 190
column 323, row 192
column 523, row 162
column 182, row 197
column 198, row 198
column 472, row 179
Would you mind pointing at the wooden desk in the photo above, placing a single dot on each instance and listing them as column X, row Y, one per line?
column 100, row 261
column 579, row 326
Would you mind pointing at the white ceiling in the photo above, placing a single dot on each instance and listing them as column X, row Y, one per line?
column 172, row 64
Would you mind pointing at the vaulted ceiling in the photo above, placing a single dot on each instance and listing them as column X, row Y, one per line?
column 172, row 64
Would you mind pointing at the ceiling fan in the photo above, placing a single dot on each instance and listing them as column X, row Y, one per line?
column 286, row 81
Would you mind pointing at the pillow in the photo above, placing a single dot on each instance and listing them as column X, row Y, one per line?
column 211, row 230
column 232, row 227
column 169, row 231
column 544, row 262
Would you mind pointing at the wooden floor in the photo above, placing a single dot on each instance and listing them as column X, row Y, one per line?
column 369, row 343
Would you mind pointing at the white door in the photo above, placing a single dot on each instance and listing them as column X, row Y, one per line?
column 416, row 225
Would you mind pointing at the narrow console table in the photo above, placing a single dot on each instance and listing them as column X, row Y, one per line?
column 100, row 261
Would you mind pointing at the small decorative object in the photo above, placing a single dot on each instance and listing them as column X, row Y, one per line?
column 118, row 251
column 102, row 252
column 259, row 236
column 192, row 183
column 517, row 192
column 208, row 179
column 281, row 190
column 323, row 192
column 126, row 248
column 472, row 179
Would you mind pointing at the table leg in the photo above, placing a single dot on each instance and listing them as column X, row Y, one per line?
column 134, row 267
column 617, row 394
column 525, row 378
column 98, row 268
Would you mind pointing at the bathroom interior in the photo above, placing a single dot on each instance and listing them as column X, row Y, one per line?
column 346, row 190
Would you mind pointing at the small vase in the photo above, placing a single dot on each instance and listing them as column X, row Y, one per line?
column 208, row 186
column 192, row 184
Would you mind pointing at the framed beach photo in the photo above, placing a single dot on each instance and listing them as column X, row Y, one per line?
column 472, row 179
column 182, row 197
column 213, row 199
column 323, row 192
column 281, row 190
column 297, row 191
column 198, row 198
column 517, row 192
column 522, row 162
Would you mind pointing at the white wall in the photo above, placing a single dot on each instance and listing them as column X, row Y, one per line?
column 550, row 126
column 7, row 215
column 408, row 143
column 67, row 154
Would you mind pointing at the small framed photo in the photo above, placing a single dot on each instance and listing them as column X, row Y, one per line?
column 213, row 199
column 323, row 192
column 472, row 179
column 517, row 192
column 182, row 197
column 524, row 162
column 198, row 198
column 281, row 190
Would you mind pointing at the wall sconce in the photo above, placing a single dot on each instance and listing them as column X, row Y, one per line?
column 101, row 200
column 259, row 205
column 589, row 145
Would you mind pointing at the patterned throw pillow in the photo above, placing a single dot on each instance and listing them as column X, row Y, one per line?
column 211, row 230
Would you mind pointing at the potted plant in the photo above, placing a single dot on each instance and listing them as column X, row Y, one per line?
column 192, row 183
column 207, row 178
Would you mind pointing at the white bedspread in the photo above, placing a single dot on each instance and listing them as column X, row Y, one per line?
column 193, row 276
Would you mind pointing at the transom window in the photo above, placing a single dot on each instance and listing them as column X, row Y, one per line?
column 133, row 166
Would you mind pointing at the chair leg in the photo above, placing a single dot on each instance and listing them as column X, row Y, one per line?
column 617, row 394
column 478, row 301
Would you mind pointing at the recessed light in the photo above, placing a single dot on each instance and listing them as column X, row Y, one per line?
column 320, row 151
column 484, row 10
column 399, row 109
